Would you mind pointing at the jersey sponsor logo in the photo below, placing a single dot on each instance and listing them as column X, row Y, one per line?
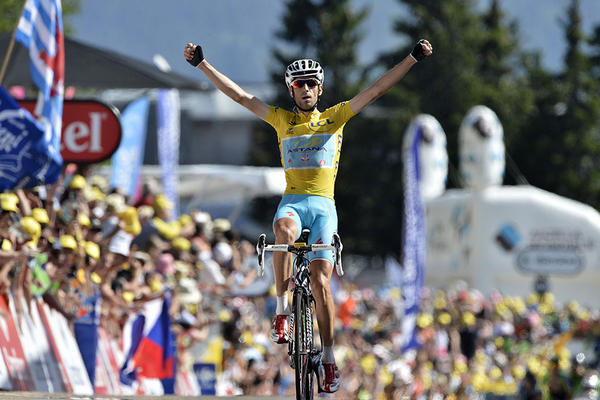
column 318, row 125
column 309, row 151
column 311, row 143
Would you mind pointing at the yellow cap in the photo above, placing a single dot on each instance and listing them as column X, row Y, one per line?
column 181, row 244
column 221, row 225
column 518, row 372
column 94, row 194
column 444, row 318
column 468, row 318
column 78, row 182
column 156, row 285
column 368, row 364
column 128, row 296
column 185, row 220
column 95, row 278
column 31, row 227
column 92, row 250
column 168, row 230
column 495, row 373
column 6, row 245
column 99, row 181
column 132, row 223
column 84, row 220
column 424, row 320
column 9, row 201
column 40, row 215
column 115, row 203
column 81, row 275
column 68, row 242
column 145, row 212
column 161, row 202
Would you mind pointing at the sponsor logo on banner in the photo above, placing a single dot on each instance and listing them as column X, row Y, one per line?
column 545, row 251
column 12, row 351
column 550, row 260
column 91, row 130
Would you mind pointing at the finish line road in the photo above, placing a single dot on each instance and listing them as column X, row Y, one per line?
column 67, row 396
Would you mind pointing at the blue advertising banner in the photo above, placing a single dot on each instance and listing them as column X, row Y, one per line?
column 127, row 160
column 413, row 243
column 168, row 143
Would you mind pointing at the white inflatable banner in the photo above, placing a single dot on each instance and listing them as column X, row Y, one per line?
column 504, row 237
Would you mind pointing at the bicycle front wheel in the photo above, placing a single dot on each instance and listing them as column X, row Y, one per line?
column 303, row 343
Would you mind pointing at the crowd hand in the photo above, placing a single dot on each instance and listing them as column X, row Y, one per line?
column 25, row 252
column 422, row 49
column 193, row 54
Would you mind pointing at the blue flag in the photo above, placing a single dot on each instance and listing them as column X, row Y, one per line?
column 132, row 336
column 413, row 241
column 26, row 158
column 86, row 334
column 206, row 374
column 129, row 157
column 168, row 142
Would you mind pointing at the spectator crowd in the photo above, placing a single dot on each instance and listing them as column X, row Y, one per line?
column 65, row 242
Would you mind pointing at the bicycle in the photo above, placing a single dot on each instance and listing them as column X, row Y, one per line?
column 304, row 355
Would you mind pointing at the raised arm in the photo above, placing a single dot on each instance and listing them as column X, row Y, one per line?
column 193, row 54
column 391, row 77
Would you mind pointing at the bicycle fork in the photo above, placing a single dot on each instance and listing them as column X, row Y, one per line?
column 315, row 354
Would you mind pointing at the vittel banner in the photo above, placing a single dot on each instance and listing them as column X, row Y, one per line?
column 91, row 130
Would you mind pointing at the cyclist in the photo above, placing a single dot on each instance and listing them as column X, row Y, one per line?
column 310, row 143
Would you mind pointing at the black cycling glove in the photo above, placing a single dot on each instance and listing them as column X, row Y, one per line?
column 417, row 52
column 198, row 57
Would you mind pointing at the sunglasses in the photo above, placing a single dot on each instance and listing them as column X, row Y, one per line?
column 299, row 83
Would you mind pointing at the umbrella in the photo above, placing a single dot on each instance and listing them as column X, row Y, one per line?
column 87, row 66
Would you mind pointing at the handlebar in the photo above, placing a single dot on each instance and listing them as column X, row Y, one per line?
column 336, row 246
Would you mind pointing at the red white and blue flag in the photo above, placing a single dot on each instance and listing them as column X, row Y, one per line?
column 40, row 29
column 149, row 349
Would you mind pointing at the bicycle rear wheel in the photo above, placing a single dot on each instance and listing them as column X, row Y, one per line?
column 303, row 343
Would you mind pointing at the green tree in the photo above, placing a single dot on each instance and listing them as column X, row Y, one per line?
column 560, row 151
column 476, row 60
column 10, row 11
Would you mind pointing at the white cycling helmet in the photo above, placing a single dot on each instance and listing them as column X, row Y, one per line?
column 303, row 68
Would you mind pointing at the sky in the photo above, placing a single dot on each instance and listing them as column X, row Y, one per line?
column 238, row 35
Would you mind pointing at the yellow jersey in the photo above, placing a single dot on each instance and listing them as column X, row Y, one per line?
column 310, row 147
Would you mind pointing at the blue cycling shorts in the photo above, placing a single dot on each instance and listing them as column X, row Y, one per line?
column 316, row 213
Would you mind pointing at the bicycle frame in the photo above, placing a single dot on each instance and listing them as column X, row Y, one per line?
column 303, row 357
